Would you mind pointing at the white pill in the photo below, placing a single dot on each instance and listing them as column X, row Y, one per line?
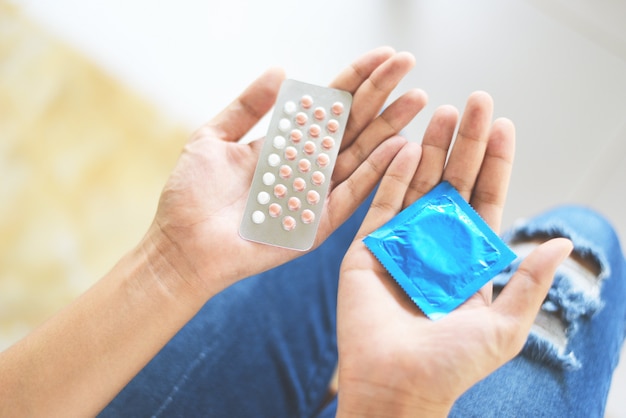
column 279, row 142
column 284, row 125
column 269, row 179
column 263, row 198
column 258, row 217
column 290, row 108
column 273, row 160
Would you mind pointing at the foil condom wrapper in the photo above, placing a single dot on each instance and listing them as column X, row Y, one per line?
column 439, row 250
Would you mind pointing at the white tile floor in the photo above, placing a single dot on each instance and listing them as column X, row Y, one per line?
column 556, row 68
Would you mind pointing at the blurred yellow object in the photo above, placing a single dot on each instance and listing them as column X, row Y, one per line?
column 82, row 163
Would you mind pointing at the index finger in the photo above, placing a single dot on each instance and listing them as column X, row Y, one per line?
column 388, row 200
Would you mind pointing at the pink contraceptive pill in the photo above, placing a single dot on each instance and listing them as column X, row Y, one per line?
column 304, row 165
column 285, row 171
column 274, row 210
column 306, row 101
column 299, row 184
column 328, row 142
column 318, row 178
column 337, row 108
column 291, row 153
column 295, row 136
column 322, row 160
column 280, row 191
column 332, row 125
column 294, row 204
column 312, row 197
column 307, row 216
column 301, row 118
column 295, row 165
column 309, row 148
column 315, row 130
column 289, row 223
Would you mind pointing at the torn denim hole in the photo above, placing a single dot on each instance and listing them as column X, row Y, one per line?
column 574, row 296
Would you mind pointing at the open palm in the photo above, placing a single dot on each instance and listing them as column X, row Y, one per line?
column 392, row 359
column 202, row 204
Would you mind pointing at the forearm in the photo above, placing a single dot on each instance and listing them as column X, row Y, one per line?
column 81, row 358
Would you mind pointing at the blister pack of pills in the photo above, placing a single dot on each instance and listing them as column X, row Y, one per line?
column 295, row 165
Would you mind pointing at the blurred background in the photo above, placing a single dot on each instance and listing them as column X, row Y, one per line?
column 97, row 99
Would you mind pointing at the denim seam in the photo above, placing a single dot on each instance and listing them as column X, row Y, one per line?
column 327, row 359
column 181, row 382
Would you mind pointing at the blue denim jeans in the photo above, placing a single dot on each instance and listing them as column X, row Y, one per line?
column 266, row 347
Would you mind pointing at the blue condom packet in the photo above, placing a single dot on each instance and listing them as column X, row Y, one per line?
column 439, row 250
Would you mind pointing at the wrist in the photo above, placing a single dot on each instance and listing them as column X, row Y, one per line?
column 377, row 408
column 171, row 270
column 384, row 402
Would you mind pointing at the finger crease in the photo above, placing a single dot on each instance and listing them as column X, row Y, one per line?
column 248, row 108
column 423, row 186
column 384, row 207
column 528, row 275
column 357, row 152
column 389, row 124
column 461, row 184
column 374, row 85
column 490, row 198
column 499, row 158
column 444, row 150
column 210, row 130
column 473, row 138
column 358, row 72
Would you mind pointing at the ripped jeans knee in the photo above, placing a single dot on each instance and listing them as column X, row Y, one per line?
column 576, row 292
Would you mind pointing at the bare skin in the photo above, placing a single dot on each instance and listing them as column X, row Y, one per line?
column 81, row 358
column 395, row 362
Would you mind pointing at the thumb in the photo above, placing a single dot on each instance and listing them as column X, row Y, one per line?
column 246, row 110
column 522, row 297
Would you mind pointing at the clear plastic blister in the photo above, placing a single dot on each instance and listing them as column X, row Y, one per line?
column 439, row 250
column 295, row 165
